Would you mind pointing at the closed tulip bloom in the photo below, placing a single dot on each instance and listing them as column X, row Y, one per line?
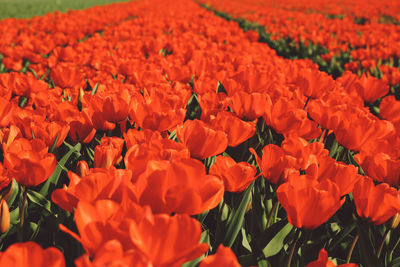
column 376, row 203
column 108, row 152
column 28, row 161
column 202, row 140
column 308, row 203
column 4, row 217
column 273, row 162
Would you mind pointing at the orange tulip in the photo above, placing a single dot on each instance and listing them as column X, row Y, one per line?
column 371, row 88
column 180, row 185
column 236, row 130
column 4, row 217
column 98, row 184
column 67, row 76
column 236, row 176
column 5, row 112
column 273, row 163
column 30, row 254
column 201, row 139
column 151, row 147
column 81, row 128
column 323, row 261
column 307, row 202
column 108, row 153
column 168, row 241
column 223, row 258
column 376, row 203
column 155, row 113
column 158, row 240
column 50, row 131
column 390, row 109
column 380, row 167
column 251, row 106
column 28, row 162
column 314, row 83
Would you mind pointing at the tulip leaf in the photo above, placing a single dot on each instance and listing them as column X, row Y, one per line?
column 14, row 216
column 14, row 194
column 34, row 228
column 263, row 263
column 94, row 90
column 247, row 260
column 395, row 262
column 245, row 242
column 354, row 162
column 342, row 235
column 235, row 221
column 54, row 144
column 277, row 242
column 368, row 257
column 53, row 179
column 40, row 200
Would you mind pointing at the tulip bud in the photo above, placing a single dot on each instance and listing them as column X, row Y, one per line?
column 394, row 222
column 82, row 168
column 7, row 191
column 4, row 217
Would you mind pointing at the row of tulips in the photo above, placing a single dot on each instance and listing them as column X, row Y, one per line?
column 165, row 141
column 25, row 41
column 336, row 44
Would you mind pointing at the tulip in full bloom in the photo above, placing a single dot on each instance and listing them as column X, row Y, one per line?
column 32, row 255
column 28, row 161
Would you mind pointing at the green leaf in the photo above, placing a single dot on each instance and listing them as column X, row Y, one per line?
column 14, row 216
column 39, row 200
column 276, row 244
column 14, row 194
column 94, row 90
column 235, row 221
column 34, row 228
column 245, row 242
column 53, row 179
column 247, row 260
column 342, row 235
column 368, row 257
column 354, row 162
column 263, row 263
column 395, row 262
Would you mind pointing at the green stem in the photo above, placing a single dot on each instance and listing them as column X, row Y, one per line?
column 352, row 246
column 274, row 207
column 22, row 216
column 378, row 254
column 293, row 246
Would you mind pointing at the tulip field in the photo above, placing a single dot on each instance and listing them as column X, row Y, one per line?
column 201, row 133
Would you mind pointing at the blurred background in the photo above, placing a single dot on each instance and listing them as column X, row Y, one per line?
column 30, row 8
